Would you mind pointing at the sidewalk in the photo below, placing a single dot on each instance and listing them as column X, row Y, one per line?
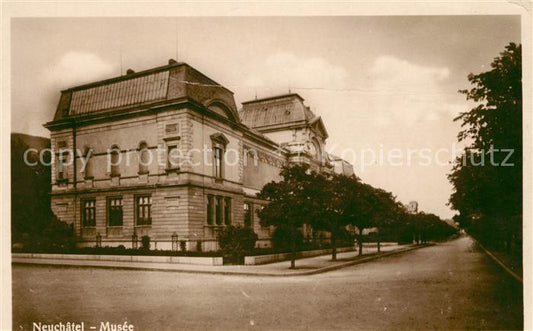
column 305, row 266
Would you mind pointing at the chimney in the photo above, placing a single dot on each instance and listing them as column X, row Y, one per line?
column 130, row 71
column 172, row 61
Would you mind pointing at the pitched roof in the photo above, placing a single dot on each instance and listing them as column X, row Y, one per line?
column 277, row 110
column 154, row 86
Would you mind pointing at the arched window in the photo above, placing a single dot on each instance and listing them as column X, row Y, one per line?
column 144, row 158
column 87, row 162
column 114, row 161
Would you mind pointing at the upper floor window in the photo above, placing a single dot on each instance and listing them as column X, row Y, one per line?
column 173, row 161
column 88, row 212
column 61, row 167
column 217, row 162
column 87, row 163
column 143, row 210
column 144, row 158
column 114, row 211
column 219, row 146
column 63, row 160
column 114, row 161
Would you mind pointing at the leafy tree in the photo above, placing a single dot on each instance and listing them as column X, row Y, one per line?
column 353, row 204
column 30, row 187
column 328, row 200
column 385, row 210
column 487, row 178
column 236, row 242
column 289, row 204
column 282, row 238
column 56, row 236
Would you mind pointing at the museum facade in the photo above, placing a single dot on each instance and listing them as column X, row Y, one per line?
column 165, row 153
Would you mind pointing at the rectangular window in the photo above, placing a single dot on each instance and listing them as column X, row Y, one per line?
column 60, row 170
column 143, row 210
column 62, row 166
column 114, row 211
column 217, row 162
column 88, row 213
column 218, row 210
column 247, row 215
column 210, row 209
column 227, row 211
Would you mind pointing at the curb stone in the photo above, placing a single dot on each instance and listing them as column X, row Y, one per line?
column 236, row 273
column 498, row 261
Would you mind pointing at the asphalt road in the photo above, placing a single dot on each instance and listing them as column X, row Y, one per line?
column 448, row 286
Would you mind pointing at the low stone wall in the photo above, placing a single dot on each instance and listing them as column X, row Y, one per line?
column 264, row 259
column 124, row 258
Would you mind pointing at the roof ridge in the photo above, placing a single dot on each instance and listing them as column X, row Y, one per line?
column 280, row 96
column 127, row 76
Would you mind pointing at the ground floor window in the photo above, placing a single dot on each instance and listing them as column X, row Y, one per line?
column 88, row 212
column 210, row 209
column 143, row 210
column 227, row 211
column 114, row 211
column 218, row 210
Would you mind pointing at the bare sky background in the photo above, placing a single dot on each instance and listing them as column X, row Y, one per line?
column 378, row 82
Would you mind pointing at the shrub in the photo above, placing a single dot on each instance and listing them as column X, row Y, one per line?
column 282, row 238
column 236, row 241
column 145, row 243
column 56, row 236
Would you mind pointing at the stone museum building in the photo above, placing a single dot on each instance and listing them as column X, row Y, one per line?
column 166, row 153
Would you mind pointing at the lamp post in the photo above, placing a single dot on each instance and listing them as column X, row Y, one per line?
column 134, row 239
column 174, row 242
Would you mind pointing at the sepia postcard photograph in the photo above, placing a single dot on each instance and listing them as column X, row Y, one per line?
column 266, row 166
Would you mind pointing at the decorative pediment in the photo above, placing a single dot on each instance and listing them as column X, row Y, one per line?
column 219, row 138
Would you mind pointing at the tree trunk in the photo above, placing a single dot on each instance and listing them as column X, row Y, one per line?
column 333, row 245
column 360, row 242
column 293, row 249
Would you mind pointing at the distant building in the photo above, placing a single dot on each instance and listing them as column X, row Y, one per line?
column 165, row 153
column 412, row 207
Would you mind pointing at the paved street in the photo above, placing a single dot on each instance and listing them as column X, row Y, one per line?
column 448, row 286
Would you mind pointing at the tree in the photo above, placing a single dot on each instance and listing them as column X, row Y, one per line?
column 487, row 178
column 290, row 203
column 354, row 204
column 385, row 210
column 30, row 187
column 329, row 206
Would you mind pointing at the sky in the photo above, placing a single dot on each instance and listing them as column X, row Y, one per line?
column 382, row 84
